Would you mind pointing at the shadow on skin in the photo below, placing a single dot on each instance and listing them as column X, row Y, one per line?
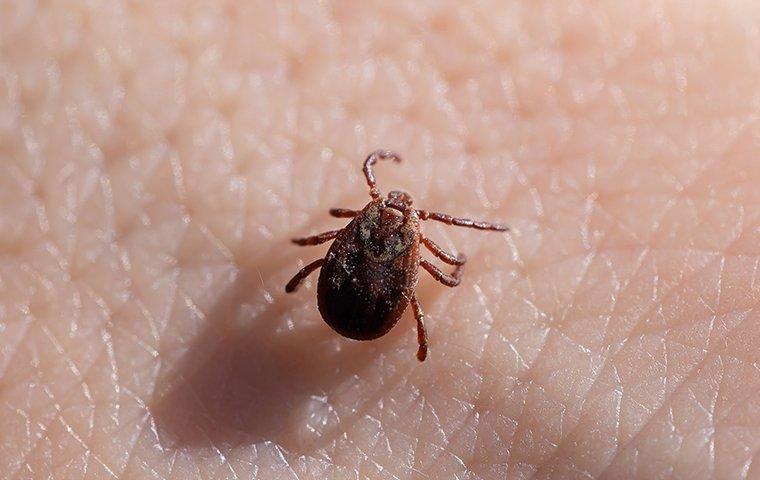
column 245, row 385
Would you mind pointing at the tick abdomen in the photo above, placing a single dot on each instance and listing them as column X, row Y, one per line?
column 369, row 274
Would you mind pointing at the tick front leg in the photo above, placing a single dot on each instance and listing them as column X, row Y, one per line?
column 461, row 222
column 419, row 315
column 371, row 160
column 343, row 212
column 302, row 274
column 316, row 239
column 448, row 280
column 442, row 254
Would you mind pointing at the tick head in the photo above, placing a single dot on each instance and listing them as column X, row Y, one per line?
column 398, row 197
column 384, row 232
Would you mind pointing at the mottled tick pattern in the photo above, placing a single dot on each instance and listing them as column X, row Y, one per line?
column 369, row 275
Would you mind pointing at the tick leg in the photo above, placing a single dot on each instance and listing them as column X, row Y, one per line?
column 448, row 280
column 442, row 254
column 419, row 315
column 371, row 160
column 316, row 239
column 343, row 212
column 461, row 222
column 302, row 274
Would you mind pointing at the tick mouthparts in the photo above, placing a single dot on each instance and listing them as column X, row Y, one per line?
column 395, row 206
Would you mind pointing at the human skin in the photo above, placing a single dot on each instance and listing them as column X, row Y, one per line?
column 156, row 158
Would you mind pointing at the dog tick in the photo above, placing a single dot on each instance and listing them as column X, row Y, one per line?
column 369, row 275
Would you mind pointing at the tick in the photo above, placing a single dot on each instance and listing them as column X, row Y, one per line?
column 369, row 274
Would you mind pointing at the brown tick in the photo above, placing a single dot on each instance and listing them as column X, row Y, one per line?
column 370, row 272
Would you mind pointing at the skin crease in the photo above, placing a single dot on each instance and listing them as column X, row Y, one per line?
column 155, row 158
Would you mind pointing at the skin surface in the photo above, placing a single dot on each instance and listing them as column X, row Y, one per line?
column 156, row 157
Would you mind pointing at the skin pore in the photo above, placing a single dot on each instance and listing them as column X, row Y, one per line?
column 156, row 158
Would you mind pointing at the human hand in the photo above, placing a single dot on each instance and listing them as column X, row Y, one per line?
column 158, row 156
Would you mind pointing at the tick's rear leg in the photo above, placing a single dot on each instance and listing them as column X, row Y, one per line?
column 302, row 274
column 343, row 212
column 371, row 160
column 442, row 254
column 316, row 239
column 448, row 280
column 419, row 315
column 461, row 222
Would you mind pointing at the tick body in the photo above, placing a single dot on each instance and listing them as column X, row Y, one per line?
column 370, row 272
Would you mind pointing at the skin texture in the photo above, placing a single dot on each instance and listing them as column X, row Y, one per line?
column 156, row 157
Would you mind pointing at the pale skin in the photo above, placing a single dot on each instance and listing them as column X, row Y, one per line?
column 156, row 158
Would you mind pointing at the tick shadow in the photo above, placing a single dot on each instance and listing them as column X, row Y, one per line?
column 248, row 378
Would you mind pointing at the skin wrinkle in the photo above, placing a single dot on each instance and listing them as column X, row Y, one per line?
column 59, row 413
column 610, row 358
column 652, row 414
column 345, row 160
column 685, row 380
column 58, row 417
column 489, row 330
column 528, row 372
column 461, row 432
column 649, row 421
column 81, row 376
column 368, row 456
column 255, row 281
column 643, row 316
column 357, row 415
